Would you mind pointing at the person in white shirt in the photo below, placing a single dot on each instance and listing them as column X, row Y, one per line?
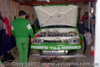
column 88, row 39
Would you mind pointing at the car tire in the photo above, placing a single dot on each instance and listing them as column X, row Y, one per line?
column 83, row 50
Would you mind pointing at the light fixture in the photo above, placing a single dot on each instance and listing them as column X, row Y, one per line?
column 92, row 10
column 48, row 0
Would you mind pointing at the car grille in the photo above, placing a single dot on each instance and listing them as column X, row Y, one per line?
column 51, row 41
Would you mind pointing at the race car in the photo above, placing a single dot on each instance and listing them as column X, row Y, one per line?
column 59, row 34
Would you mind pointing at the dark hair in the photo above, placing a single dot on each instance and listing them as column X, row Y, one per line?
column 86, row 29
column 86, row 12
column 21, row 13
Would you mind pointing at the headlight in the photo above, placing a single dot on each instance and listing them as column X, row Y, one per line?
column 74, row 41
column 38, row 41
column 65, row 40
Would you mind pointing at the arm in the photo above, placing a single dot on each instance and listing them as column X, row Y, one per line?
column 30, row 32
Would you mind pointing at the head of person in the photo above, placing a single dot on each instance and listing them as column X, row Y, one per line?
column 86, row 30
column 86, row 13
column 22, row 14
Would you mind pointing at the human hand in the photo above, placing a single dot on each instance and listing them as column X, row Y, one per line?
column 31, row 40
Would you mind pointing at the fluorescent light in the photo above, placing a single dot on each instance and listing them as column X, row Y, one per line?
column 92, row 10
column 48, row 0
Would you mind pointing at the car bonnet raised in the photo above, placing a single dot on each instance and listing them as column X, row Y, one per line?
column 57, row 15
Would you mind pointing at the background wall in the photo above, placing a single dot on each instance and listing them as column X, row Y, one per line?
column 10, row 9
column 82, row 8
column 29, row 10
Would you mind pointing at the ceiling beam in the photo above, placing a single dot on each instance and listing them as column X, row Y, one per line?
column 34, row 0
column 16, row 1
column 56, row 2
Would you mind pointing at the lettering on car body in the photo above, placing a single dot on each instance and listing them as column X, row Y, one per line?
column 56, row 48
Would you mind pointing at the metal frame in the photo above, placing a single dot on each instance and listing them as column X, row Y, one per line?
column 63, row 56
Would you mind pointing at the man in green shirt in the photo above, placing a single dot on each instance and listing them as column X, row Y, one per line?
column 21, row 30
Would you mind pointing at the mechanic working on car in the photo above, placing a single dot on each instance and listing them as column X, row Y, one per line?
column 21, row 30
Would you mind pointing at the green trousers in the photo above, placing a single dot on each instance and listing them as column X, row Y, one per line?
column 22, row 46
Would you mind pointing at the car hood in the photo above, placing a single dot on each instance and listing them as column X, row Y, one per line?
column 57, row 15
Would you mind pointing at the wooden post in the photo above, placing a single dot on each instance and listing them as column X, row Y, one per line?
column 12, row 10
column 15, row 12
column 2, row 8
column 8, row 9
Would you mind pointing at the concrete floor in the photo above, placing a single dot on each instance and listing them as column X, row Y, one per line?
column 57, row 62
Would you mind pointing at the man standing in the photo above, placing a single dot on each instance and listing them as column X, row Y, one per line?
column 85, row 18
column 21, row 30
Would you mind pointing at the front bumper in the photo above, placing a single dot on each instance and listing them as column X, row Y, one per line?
column 55, row 47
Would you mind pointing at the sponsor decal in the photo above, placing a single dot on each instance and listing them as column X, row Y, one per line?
column 39, row 47
column 56, row 48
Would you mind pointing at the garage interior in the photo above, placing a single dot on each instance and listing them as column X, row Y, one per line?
column 10, row 9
